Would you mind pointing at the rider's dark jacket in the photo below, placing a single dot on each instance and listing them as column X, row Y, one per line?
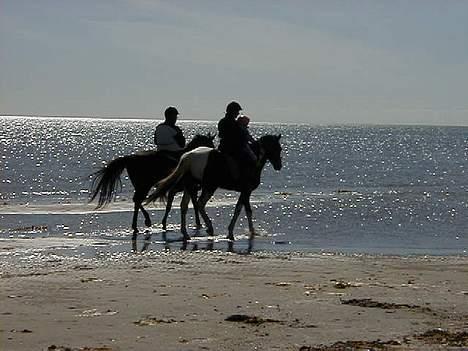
column 232, row 137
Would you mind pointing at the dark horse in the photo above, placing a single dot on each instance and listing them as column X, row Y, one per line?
column 212, row 170
column 144, row 169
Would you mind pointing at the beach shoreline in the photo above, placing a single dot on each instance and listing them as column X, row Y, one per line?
column 213, row 300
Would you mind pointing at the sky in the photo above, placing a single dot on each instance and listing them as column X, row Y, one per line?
column 318, row 62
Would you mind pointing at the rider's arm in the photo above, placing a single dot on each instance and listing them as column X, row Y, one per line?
column 222, row 132
column 179, row 137
column 155, row 139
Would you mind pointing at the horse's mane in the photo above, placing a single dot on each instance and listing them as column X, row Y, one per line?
column 199, row 137
column 264, row 139
column 267, row 137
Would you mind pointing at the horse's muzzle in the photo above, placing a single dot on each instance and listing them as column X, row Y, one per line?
column 277, row 165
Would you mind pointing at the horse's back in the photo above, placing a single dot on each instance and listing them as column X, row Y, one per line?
column 197, row 160
column 147, row 167
column 200, row 150
column 145, row 153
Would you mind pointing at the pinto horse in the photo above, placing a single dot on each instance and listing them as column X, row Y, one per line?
column 144, row 169
column 213, row 170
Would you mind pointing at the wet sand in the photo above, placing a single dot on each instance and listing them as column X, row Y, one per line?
column 210, row 300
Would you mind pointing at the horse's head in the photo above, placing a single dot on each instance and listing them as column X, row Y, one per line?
column 272, row 149
column 201, row 140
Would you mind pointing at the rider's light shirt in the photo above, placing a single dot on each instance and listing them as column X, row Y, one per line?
column 165, row 138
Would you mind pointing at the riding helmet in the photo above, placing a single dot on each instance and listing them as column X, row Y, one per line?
column 233, row 107
column 171, row 111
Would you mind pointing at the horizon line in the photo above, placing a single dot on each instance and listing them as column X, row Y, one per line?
column 194, row 119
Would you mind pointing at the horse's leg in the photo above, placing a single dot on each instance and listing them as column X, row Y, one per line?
column 138, row 197
column 170, row 199
column 147, row 217
column 135, row 218
column 134, row 245
column 183, row 213
column 194, row 197
column 237, row 211
column 250, row 247
column 248, row 212
column 204, row 197
column 147, row 243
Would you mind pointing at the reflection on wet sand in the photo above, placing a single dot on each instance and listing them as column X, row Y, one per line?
column 189, row 245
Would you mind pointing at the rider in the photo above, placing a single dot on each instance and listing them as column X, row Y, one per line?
column 244, row 121
column 168, row 136
column 233, row 137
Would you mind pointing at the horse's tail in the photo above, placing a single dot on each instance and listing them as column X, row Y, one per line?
column 164, row 186
column 107, row 180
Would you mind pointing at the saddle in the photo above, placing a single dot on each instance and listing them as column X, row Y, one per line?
column 238, row 166
column 233, row 166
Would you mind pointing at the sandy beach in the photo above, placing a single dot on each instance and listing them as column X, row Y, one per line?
column 213, row 300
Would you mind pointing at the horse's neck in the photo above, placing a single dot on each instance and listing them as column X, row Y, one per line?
column 262, row 159
column 190, row 146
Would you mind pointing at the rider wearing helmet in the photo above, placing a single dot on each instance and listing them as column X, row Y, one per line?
column 233, row 137
column 230, row 134
column 168, row 136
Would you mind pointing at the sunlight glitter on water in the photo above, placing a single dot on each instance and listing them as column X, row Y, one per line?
column 352, row 186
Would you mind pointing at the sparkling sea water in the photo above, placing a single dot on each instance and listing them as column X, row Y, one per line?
column 352, row 189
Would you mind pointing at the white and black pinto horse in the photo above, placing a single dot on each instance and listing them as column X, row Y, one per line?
column 212, row 169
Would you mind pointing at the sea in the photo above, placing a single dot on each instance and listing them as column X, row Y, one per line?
column 350, row 189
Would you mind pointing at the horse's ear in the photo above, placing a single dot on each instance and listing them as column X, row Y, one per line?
column 278, row 136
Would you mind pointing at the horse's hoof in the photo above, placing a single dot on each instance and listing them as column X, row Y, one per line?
column 230, row 237
column 210, row 231
column 148, row 223
column 164, row 226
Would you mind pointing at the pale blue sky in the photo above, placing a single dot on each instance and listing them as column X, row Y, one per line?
column 291, row 61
